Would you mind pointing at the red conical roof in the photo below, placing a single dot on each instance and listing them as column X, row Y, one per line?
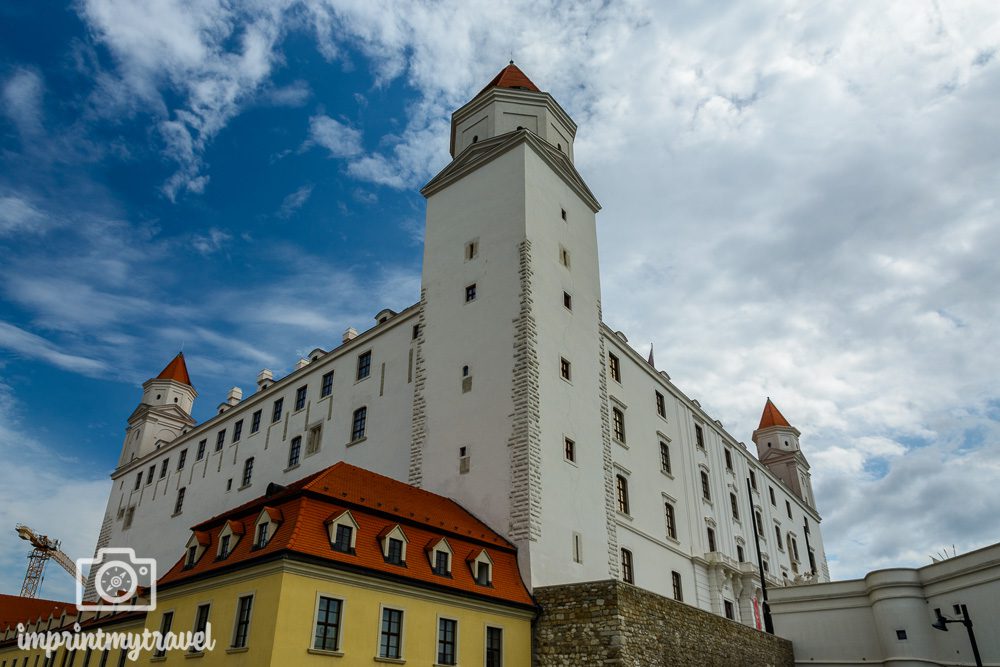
column 511, row 77
column 772, row 417
column 176, row 370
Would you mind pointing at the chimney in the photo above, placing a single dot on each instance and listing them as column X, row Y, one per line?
column 235, row 396
column 301, row 363
column 350, row 334
column 264, row 379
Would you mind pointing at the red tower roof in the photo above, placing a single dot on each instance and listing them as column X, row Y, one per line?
column 511, row 77
column 176, row 370
column 772, row 417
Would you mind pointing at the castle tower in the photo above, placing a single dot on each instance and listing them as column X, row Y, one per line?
column 164, row 412
column 510, row 353
column 778, row 448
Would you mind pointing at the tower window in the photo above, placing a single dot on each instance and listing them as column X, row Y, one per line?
column 562, row 211
column 364, row 365
column 628, row 574
column 470, row 292
column 616, row 368
column 327, row 387
column 564, row 256
column 618, row 424
column 661, row 405
column 416, row 332
column 247, row 471
column 675, row 578
column 770, row 491
column 569, row 450
column 740, row 556
column 471, row 250
column 300, row 397
column 621, row 486
column 788, row 509
column 665, row 458
column 276, row 411
column 706, row 491
column 753, row 480
column 729, row 460
column 710, row 533
column 568, row 300
column 359, row 423
column 565, row 369
column 671, row 516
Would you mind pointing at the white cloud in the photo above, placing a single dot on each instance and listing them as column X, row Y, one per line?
column 19, row 216
column 294, row 201
column 339, row 139
column 294, row 94
column 211, row 242
column 22, row 101
column 31, row 346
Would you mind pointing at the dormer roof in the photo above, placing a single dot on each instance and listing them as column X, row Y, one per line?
column 176, row 370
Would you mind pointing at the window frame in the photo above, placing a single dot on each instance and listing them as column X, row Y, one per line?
column 670, row 515
column 294, row 452
column 453, row 644
column 339, row 625
column 247, row 476
column 615, row 366
column 359, row 424
column 255, row 421
column 384, row 646
column 628, row 566
column 326, row 386
column 487, row 647
column 239, row 622
column 300, row 397
column 665, row 464
column 277, row 408
column 621, row 493
column 470, row 292
column 618, row 424
column 661, row 404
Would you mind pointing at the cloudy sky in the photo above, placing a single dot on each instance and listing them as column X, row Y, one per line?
column 799, row 201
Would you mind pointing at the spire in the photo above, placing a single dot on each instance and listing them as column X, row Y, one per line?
column 511, row 77
column 650, row 359
column 772, row 416
column 176, row 370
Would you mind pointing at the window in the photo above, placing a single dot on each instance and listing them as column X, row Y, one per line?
column 483, row 573
column 229, row 484
column 661, row 405
column 179, row 503
column 300, row 397
column 621, row 484
column 470, row 292
column 706, row 491
column 342, row 542
column 671, row 515
column 293, row 451
column 770, row 491
column 777, row 537
column 577, row 548
column 619, row 424
column 261, row 540
column 563, row 211
column 740, row 556
column 675, row 579
column 664, row 457
column 182, row 459
column 237, row 431
column 901, row 635
column 163, row 468
column 165, row 622
column 569, row 450
column 276, row 410
column 220, row 439
column 394, row 551
column 327, row 634
column 564, row 256
column 447, row 631
column 759, row 521
column 242, row 621
column 793, row 546
column 494, row 647
column 565, row 369
column 699, row 436
column 628, row 574
column 730, row 614
column 471, row 250
column 201, row 449
column 327, row 387
column 247, row 471
column 729, row 459
column 753, row 480
column 138, row 480
column 224, row 543
column 392, row 634
column 315, row 439
column 765, row 564
column 734, row 506
column 788, row 509
column 200, row 620
column 710, row 533
column 812, row 561
column 364, row 365
column 616, row 368
column 441, row 563
column 150, row 474
column 568, row 300
column 358, row 423
column 255, row 422
column 416, row 332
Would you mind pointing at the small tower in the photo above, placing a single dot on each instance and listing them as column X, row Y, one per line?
column 778, row 448
column 164, row 412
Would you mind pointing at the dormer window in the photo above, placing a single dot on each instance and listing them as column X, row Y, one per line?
column 224, row 546
column 266, row 526
column 228, row 537
column 439, row 552
column 192, row 556
column 342, row 530
column 394, row 551
column 194, row 548
column 393, row 545
column 482, row 567
column 342, row 542
column 262, row 530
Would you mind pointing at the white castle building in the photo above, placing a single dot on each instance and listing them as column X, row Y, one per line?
column 503, row 389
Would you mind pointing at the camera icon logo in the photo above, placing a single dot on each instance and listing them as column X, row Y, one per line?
column 117, row 574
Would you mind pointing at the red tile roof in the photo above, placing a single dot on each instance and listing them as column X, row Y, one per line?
column 772, row 417
column 176, row 370
column 377, row 504
column 14, row 608
column 510, row 77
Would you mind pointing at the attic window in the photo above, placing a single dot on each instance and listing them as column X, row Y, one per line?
column 192, row 556
column 394, row 551
column 342, row 530
column 482, row 568
column 440, row 555
column 262, row 535
column 394, row 545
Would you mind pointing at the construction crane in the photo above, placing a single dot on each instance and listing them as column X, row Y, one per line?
column 44, row 549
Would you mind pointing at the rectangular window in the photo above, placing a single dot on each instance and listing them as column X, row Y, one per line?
column 760, row 523
column 483, row 574
column 327, row 387
column 740, row 556
column 447, row 631
column 163, row 467
column 788, row 509
column 777, row 537
column 671, row 515
column 364, row 365
column 621, row 485
column 441, row 563
column 766, row 565
column 224, row 546
column 255, row 422
column 793, row 545
column 664, row 457
column 734, row 506
column 675, row 579
column 200, row 620
column 327, row 634
column 494, row 647
column 471, row 249
column 710, row 533
column 315, row 438
column 569, row 450
column 699, row 436
column 394, row 551
column 294, row 448
column 565, row 369
column 247, row 471
column 770, row 491
column 416, row 332
column 242, row 621
column 179, row 504
column 261, row 540
column 202, row 444
column 390, row 644
column 470, row 292
column 138, row 480
column 567, row 301
column 358, row 423
column 753, row 480
column 661, row 405
column 628, row 574
column 300, row 397
column 618, row 422
column 276, row 410
column 706, row 491
column 729, row 460
column 616, row 368
column 237, row 431
column 564, row 256
column 165, row 622
column 182, row 459
column 342, row 542
column 729, row 610
column 150, row 474
column 220, row 439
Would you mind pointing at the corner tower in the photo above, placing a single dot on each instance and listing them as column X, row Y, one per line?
column 164, row 412
column 509, row 353
column 778, row 448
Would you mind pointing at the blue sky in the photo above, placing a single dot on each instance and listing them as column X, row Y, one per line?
column 798, row 202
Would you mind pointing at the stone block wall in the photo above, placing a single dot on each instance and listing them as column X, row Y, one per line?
column 611, row 623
